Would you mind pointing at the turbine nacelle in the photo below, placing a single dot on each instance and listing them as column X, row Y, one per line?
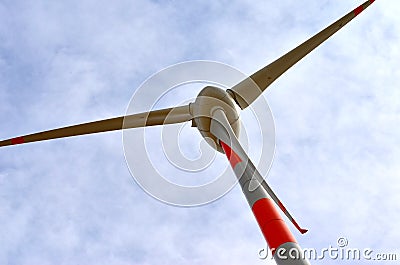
column 210, row 99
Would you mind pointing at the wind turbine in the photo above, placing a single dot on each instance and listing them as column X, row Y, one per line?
column 215, row 114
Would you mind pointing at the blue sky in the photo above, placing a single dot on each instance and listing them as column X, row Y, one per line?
column 73, row 201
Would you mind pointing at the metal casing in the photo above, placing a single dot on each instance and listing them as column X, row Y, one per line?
column 209, row 99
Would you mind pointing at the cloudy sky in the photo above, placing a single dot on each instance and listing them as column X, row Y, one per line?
column 73, row 201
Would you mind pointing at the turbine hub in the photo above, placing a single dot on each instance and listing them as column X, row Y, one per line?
column 209, row 99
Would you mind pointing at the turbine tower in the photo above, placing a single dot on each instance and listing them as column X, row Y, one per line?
column 215, row 115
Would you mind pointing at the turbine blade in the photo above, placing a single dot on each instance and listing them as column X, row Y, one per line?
column 249, row 89
column 281, row 206
column 221, row 129
column 151, row 118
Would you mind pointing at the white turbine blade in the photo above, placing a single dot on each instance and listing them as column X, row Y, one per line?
column 221, row 129
column 249, row 89
column 151, row 118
